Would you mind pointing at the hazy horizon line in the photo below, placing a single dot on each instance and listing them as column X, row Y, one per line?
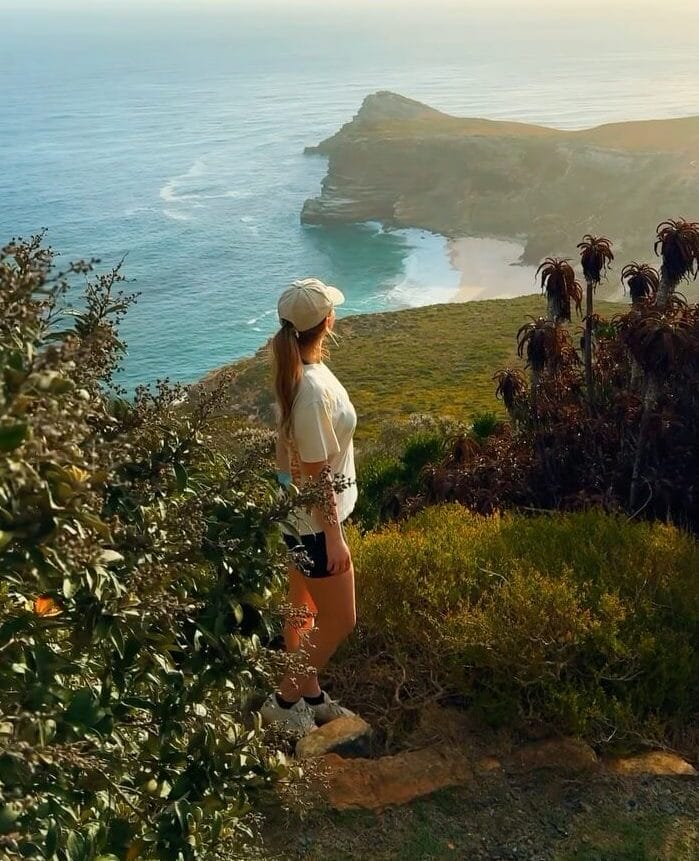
column 330, row 5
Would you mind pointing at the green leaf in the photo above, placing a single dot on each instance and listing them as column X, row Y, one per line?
column 95, row 523
column 12, row 436
column 75, row 846
column 61, row 385
column 8, row 816
column 84, row 708
column 181, row 476
column 14, row 360
column 51, row 839
column 181, row 808
column 51, row 381
column 121, row 833
column 14, row 377
column 216, row 826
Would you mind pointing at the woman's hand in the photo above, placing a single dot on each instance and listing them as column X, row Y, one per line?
column 339, row 558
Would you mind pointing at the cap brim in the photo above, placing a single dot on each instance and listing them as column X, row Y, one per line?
column 336, row 296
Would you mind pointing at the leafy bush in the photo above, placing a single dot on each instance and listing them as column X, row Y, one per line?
column 378, row 476
column 586, row 622
column 395, row 435
column 484, row 425
column 421, row 449
column 137, row 565
column 397, row 470
column 392, row 470
column 612, row 420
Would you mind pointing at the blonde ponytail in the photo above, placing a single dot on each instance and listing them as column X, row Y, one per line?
column 288, row 368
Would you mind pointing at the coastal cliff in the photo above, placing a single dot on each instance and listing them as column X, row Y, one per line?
column 407, row 165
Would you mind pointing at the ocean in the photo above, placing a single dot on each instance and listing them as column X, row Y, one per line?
column 172, row 136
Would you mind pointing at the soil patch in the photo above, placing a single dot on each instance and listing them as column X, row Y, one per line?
column 537, row 817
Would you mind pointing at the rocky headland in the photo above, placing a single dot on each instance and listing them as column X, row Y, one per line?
column 407, row 165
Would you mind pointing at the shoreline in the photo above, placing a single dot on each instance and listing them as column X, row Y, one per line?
column 439, row 269
column 490, row 269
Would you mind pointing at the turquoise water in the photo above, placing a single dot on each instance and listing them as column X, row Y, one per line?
column 174, row 136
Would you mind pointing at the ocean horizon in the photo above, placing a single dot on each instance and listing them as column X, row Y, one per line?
column 176, row 142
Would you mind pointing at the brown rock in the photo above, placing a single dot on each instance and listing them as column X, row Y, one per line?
column 379, row 783
column 488, row 764
column 653, row 762
column 567, row 755
column 346, row 736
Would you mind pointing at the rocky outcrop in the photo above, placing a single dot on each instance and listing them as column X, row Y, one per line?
column 375, row 784
column 346, row 736
column 405, row 164
column 379, row 783
column 563, row 755
column 653, row 762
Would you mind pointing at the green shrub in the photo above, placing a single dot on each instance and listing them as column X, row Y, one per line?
column 390, row 467
column 137, row 565
column 609, row 419
column 377, row 476
column 395, row 467
column 421, row 449
column 484, row 425
column 394, row 435
column 586, row 622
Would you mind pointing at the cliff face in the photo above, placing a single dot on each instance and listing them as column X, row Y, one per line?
column 405, row 164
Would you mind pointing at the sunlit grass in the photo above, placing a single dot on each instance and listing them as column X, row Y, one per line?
column 439, row 359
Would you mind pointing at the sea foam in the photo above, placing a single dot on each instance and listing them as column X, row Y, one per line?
column 428, row 276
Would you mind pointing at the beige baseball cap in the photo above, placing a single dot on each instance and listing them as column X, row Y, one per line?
column 307, row 303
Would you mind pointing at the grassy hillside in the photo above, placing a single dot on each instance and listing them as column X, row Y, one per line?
column 439, row 359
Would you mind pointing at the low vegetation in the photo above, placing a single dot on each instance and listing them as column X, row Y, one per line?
column 142, row 560
column 611, row 420
column 394, row 365
column 582, row 623
column 137, row 565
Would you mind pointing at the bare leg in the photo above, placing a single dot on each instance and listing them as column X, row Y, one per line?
column 296, row 631
column 332, row 600
column 335, row 619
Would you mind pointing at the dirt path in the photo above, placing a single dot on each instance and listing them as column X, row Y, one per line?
column 538, row 817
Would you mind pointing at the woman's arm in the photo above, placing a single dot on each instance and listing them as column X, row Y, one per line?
column 339, row 559
column 282, row 454
column 283, row 462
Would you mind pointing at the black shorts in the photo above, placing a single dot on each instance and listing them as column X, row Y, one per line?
column 315, row 548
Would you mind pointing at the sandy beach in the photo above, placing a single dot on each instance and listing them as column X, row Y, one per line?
column 488, row 269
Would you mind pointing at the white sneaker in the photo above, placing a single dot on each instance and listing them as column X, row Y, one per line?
column 328, row 710
column 298, row 719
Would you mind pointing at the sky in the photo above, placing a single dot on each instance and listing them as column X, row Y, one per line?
column 683, row 14
column 437, row 21
column 432, row 25
column 680, row 8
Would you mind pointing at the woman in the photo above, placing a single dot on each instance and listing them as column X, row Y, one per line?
column 316, row 426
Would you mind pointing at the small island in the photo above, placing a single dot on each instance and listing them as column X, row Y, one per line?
column 407, row 165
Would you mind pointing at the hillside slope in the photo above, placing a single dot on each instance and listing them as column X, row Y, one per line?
column 405, row 164
column 439, row 359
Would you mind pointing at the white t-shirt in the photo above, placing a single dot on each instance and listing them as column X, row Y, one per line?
column 323, row 424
